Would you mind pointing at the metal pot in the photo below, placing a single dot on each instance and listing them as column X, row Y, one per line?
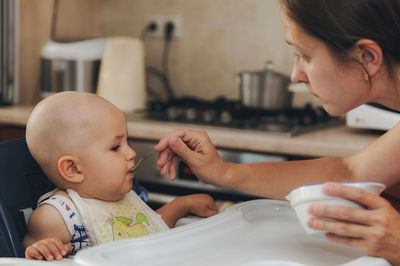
column 265, row 89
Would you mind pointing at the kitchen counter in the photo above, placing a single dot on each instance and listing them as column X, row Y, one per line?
column 332, row 141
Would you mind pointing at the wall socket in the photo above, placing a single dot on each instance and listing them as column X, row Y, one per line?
column 161, row 21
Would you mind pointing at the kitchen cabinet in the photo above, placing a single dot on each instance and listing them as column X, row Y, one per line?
column 9, row 132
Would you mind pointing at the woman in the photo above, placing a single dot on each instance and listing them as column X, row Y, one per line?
column 348, row 54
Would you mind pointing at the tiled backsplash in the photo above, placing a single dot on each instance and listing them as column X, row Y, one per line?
column 219, row 38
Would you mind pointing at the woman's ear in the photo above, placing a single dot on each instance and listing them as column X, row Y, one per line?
column 69, row 170
column 369, row 54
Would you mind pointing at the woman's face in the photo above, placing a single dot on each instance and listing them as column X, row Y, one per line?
column 337, row 86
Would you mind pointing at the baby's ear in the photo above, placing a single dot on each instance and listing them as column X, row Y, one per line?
column 68, row 169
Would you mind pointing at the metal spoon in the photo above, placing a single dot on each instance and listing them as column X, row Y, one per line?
column 141, row 161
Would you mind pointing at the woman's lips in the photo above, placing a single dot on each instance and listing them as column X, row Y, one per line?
column 313, row 94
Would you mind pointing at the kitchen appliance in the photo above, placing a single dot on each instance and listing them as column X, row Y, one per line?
column 234, row 114
column 265, row 89
column 372, row 116
column 9, row 52
column 122, row 74
column 71, row 66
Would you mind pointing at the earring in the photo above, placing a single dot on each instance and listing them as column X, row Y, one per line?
column 365, row 76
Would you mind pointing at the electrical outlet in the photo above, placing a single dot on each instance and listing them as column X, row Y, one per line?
column 160, row 22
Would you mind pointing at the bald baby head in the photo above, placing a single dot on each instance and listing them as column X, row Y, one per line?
column 60, row 124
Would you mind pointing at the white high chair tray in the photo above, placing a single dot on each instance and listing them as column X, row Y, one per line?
column 252, row 233
column 25, row 262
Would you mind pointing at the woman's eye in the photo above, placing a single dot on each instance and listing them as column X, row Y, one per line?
column 301, row 57
column 115, row 148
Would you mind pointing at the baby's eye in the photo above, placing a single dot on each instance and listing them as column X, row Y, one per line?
column 115, row 148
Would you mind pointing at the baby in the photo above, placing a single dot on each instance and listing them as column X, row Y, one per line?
column 80, row 141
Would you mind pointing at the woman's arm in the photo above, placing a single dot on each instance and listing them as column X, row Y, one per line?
column 271, row 179
column 379, row 162
column 277, row 179
column 376, row 162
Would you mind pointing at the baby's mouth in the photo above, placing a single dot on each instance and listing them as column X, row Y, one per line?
column 132, row 170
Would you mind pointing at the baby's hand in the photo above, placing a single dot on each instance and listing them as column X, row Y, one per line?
column 201, row 205
column 48, row 248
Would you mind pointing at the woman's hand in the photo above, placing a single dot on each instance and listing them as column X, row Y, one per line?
column 375, row 230
column 49, row 249
column 195, row 148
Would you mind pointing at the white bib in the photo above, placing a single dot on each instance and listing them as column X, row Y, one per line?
column 107, row 221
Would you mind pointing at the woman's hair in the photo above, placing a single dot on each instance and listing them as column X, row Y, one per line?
column 341, row 23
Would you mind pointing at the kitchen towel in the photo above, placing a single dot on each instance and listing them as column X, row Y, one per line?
column 122, row 74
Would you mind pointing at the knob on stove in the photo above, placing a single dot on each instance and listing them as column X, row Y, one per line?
column 174, row 113
column 225, row 117
column 191, row 114
column 209, row 115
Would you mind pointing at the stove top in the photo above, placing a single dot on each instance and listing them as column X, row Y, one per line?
column 232, row 114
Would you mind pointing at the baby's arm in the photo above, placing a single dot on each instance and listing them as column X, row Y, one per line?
column 47, row 235
column 199, row 204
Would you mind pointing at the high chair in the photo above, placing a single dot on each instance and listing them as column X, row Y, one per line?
column 22, row 182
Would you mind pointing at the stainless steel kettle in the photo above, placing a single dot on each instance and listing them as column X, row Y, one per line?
column 265, row 89
column 71, row 66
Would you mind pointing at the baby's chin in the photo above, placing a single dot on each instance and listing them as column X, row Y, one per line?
column 117, row 197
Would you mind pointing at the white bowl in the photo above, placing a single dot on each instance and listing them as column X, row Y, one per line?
column 301, row 197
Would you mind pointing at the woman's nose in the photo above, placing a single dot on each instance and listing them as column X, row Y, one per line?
column 298, row 75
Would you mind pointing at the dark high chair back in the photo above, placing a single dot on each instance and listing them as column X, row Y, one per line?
column 22, row 182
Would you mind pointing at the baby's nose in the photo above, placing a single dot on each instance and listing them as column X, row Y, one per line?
column 131, row 153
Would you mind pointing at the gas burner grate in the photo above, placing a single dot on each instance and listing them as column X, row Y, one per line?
column 232, row 114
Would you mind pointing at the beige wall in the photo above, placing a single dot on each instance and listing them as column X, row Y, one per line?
column 219, row 38
column 77, row 19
